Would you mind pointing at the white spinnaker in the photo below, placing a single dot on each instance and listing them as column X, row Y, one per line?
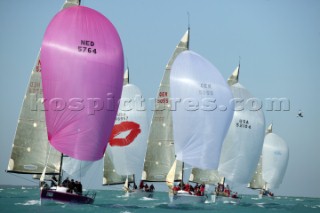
column 128, row 159
column 275, row 156
column 243, row 144
column 202, row 117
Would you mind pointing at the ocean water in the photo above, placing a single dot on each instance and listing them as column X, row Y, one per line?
column 26, row 199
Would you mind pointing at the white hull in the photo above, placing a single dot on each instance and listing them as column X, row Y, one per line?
column 183, row 197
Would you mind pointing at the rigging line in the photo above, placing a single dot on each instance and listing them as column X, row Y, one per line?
column 80, row 170
column 92, row 175
column 239, row 68
column 188, row 44
column 188, row 14
column 45, row 166
column 127, row 62
column 19, row 176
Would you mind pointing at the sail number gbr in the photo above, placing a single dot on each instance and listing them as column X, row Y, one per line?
column 87, row 47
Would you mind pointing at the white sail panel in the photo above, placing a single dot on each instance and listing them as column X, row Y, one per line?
column 171, row 175
column 202, row 117
column 31, row 146
column 275, row 156
column 243, row 144
column 160, row 151
column 204, row 176
column 257, row 181
column 110, row 176
column 75, row 168
column 128, row 139
column 69, row 3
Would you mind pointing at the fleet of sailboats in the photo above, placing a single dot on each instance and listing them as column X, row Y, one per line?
column 237, row 160
column 194, row 122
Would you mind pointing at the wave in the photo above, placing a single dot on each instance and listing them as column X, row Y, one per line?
column 147, row 199
column 29, row 203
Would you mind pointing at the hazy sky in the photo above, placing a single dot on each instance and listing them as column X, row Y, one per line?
column 278, row 42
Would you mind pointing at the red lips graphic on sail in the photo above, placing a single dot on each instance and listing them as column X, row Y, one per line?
column 122, row 127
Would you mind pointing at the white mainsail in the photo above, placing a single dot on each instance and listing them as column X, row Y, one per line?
column 204, row 176
column 31, row 146
column 160, row 153
column 110, row 176
column 199, row 126
column 257, row 181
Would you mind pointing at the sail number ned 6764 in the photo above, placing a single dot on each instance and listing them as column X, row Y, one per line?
column 87, row 46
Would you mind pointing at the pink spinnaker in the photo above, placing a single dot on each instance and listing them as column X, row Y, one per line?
column 82, row 75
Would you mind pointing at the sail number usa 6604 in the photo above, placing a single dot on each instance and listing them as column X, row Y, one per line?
column 87, row 47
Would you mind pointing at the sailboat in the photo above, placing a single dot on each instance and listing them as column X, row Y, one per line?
column 127, row 144
column 30, row 148
column 31, row 151
column 243, row 144
column 160, row 153
column 272, row 164
column 199, row 127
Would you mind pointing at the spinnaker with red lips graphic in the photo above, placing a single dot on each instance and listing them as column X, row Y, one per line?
column 125, row 126
column 128, row 140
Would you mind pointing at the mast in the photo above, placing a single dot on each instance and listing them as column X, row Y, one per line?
column 182, row 174
column 60, row 170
